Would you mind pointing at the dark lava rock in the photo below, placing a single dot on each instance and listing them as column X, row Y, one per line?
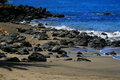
column 11, row 38
column 58, row 15
column 24, row 60
column 47, row 56
column 97, row 43
column 37, row 57
column 48, row 46
column 111, row 53
column 56, row 49
column 23, row 51
column 82, row 39
column 50, row 53
column 40, row 25
column 2, row 55
column 55, row 38
column 26, row 44
column 15, row 14
column 115, row 43
column 68, row 59
column 103, row 33
column 13, row 59
column 21, row 30
column 108, row 13
column 79, row 54
column 62, row 53
column 83, row 59
column 43, row 36
column 37, row 49
column 8, row 49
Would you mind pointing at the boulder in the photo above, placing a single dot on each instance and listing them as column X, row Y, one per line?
column 37, row 49
column 8, row 49
column 83, row 59
column 26, row 44
column 40, row 25
column 111, row 53
column 23, row 51
column 62, row 53
column 24, row 60
column 43, row 36
column 37, row 57
column 58, row 15
column 48, row 46
column 68, row 59
column 115, row 43
column 97, row 43
column 56, row 49
column 108, row 13
column 13, row 59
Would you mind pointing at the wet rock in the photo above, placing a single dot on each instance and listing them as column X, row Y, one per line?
column 108, row 13
column 96, row 54
column 103, row 33
column 97, row 43
column 58, row 15
column 82, row 39
column 115, row 43
column 40, row 25
column 37, row 57
column 111, row 53
column 12, row 59
column 83, row 59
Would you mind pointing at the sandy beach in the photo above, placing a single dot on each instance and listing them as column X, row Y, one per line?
column 100, row 67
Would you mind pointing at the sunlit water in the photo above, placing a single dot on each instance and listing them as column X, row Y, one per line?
column 80, row 14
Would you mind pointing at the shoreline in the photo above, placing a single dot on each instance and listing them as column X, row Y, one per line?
column 56, row 68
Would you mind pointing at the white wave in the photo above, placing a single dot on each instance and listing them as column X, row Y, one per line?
column 60, row 27
column 109, row 36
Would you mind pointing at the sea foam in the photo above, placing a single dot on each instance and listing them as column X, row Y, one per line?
column 112, row 36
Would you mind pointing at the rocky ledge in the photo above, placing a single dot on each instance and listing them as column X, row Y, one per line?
column 10, row 13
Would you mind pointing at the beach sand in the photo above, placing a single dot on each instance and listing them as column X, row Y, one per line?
column 100, row 67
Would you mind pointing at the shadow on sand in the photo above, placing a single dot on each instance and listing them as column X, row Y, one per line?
column 22, row 66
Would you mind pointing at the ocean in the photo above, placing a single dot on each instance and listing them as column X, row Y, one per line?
column 80, row 14
column 83, row 15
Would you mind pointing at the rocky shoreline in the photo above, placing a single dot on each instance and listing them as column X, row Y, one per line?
column 39, row 44
column 55, row 40
column 15, row 14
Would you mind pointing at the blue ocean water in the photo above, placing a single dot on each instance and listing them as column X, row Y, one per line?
column 80, row 14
